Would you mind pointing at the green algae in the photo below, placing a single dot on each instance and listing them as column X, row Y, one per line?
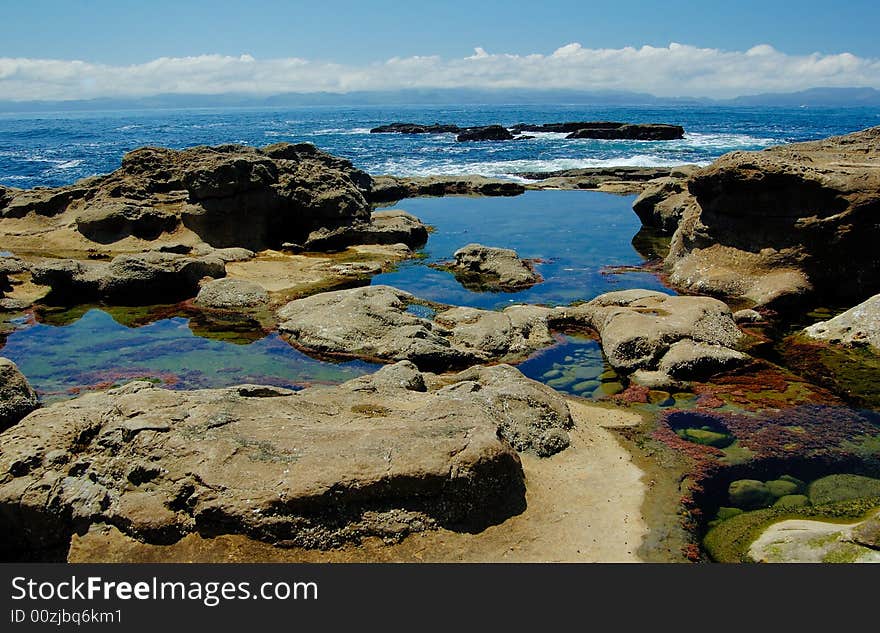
column 729, row 541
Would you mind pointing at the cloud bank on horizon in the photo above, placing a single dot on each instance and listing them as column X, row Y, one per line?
column 672, row 71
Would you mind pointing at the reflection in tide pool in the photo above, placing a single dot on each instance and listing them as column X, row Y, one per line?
column 576, row 235
column 95, row 351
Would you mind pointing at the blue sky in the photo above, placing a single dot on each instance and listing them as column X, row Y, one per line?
column 123, row 31
column 667, row 47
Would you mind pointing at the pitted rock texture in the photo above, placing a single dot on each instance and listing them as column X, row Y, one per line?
column 384, row 455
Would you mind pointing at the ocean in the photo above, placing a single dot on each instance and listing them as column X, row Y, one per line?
column 60, row 148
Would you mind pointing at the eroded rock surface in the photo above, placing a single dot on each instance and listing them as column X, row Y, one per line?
column 229, row 195
column 384, row 455
column 150, row 277
column 232, row 294
column 658, row 339
column 17, row 398
column 774, row 226
column 491, row 268
column 857, row 327
column 374, row 323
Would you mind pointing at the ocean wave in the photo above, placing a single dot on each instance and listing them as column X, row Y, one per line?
column 68, row 164
column 339, row 130
column 722, row 141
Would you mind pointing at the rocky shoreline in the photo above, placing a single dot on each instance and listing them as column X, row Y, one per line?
column 436, row 439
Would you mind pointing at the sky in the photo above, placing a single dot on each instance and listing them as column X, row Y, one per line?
column 74, row 49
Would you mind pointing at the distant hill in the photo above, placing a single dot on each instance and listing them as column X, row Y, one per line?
column 815, row 97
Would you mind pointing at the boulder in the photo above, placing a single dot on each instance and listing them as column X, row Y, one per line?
column 747, row 316
column 490, row 268
column 229, row 195
column 141, row 278
column 857, row 327
column 381, row 455
column 374, row 323
column 385, row 227
column 776, row 226
column 662, row 203
column 661, row 340
column 231, row 294
column 17, row 399
column 484, row 133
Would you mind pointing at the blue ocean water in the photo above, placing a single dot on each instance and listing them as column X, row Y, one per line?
column 55, row 149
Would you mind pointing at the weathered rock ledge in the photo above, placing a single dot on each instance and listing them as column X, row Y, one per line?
column 383, row 455
column 777, row 226
column 229, row 195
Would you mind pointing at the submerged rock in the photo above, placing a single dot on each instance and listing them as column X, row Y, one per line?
column 750, row 494
column 491, row 268
column 381, row 455
column 857, row 327
column 17, row 398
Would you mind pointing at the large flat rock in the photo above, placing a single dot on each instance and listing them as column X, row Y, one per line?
column 383, row 455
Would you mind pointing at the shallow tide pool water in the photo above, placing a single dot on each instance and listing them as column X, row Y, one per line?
column 96, row 351
column 574, row 234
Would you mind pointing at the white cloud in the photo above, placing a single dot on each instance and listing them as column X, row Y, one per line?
column 675, row 70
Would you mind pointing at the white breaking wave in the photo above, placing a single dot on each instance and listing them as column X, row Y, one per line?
column 340, row 130
column 68, row 164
